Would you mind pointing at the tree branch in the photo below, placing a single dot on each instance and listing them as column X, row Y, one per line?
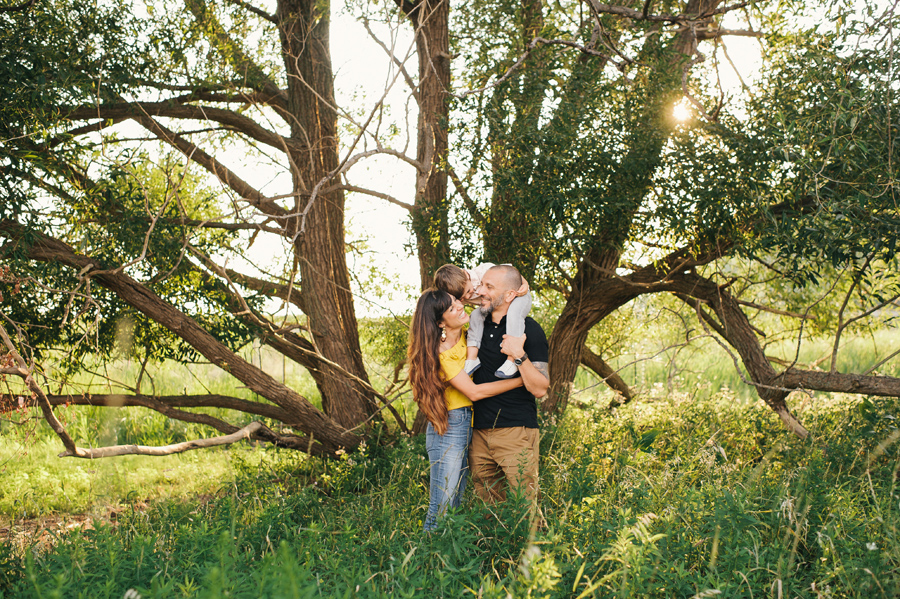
column 257, row 11
column 303, row 414
column 25, row 373
column 839, row 382
column 221, row 172
column 377, row 194
column 232, row 52
column 118, row 450
column 174, row 109
column 609, row 376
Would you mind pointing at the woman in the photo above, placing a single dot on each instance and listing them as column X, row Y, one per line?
column 444, row 392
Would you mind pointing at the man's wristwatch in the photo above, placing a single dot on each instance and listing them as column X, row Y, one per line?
column 518, row 361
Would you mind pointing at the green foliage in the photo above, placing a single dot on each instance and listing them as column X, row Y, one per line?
column 679, row 497
column 830, row 110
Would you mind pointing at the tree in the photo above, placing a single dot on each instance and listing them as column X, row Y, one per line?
column 600, row 195
column 79, row 216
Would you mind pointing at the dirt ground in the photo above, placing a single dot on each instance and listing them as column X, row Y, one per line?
column 42, row 533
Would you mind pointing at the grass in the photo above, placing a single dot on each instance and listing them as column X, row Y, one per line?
column 36, row 483
column 674, row 497
column 707, row 368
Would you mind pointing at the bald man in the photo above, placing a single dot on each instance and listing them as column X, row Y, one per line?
column 504, row 451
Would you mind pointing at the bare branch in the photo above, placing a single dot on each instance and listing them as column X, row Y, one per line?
column 872, row 369
column 841, row 324
column 268, row 288
column 524, row 56
column 475, row 213
column 25, row 373
column 609, row 376
column 232, row 51
column 406, row 76
column 117, row 450
column 220, row 171
column 774, row 310
column 378, row 194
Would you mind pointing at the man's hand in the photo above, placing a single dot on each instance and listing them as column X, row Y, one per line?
column 513, row 346
column 534, row 374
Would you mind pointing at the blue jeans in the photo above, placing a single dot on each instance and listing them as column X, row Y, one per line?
column 449, row 457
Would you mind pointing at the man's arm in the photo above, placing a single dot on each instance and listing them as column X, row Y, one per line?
column 535, row 375
column 474, row 392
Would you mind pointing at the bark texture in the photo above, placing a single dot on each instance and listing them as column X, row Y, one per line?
column 430, row 20
column 318, row 225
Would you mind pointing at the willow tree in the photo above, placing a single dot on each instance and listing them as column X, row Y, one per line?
column 127, row 203
column 597, row 192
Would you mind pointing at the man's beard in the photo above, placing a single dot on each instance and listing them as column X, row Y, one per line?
column 490, row 307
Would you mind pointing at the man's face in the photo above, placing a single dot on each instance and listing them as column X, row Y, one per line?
column 492, row 292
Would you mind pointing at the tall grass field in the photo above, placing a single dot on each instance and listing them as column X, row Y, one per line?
column 671, row 496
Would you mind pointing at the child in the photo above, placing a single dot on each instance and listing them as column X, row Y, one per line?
column 463, row 284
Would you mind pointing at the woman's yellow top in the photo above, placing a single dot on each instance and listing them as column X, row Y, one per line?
column 452, row 362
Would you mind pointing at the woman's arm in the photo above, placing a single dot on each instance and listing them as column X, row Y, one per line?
column 475, row 392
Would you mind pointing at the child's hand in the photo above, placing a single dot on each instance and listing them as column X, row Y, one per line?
column 523, row 290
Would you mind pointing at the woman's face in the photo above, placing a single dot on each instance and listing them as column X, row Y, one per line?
column 455, row 316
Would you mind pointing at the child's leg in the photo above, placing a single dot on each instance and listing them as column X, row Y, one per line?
column 515, row 327
column 476, row 329
column 515, row 316
column 473, row 341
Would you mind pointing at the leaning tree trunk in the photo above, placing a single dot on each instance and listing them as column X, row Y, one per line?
column 646, row 142
column 585, row 306
column 737, row 331
column 319, row 223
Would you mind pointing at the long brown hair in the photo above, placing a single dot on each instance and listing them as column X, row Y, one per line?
column 423, row 357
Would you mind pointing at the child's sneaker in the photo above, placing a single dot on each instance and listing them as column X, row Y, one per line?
column 507, row 371
column 472, row 365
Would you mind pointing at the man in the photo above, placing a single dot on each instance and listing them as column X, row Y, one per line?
column 505, row 436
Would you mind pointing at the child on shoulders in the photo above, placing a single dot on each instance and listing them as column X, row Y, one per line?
column 463, row 284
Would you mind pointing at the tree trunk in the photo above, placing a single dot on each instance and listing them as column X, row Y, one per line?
column 319, row 225
column 586, row 305
column 431, row 22
column 589, row 300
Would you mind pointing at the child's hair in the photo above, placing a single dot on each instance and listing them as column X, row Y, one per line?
column 452, row 279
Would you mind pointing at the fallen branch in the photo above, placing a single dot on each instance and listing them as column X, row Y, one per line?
column 117, row 450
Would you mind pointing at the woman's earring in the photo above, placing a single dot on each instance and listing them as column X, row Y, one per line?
column 443, row 334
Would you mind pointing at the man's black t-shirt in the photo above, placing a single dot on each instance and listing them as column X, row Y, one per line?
column 511, row 408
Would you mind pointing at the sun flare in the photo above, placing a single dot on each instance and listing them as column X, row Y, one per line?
column 682, row 111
